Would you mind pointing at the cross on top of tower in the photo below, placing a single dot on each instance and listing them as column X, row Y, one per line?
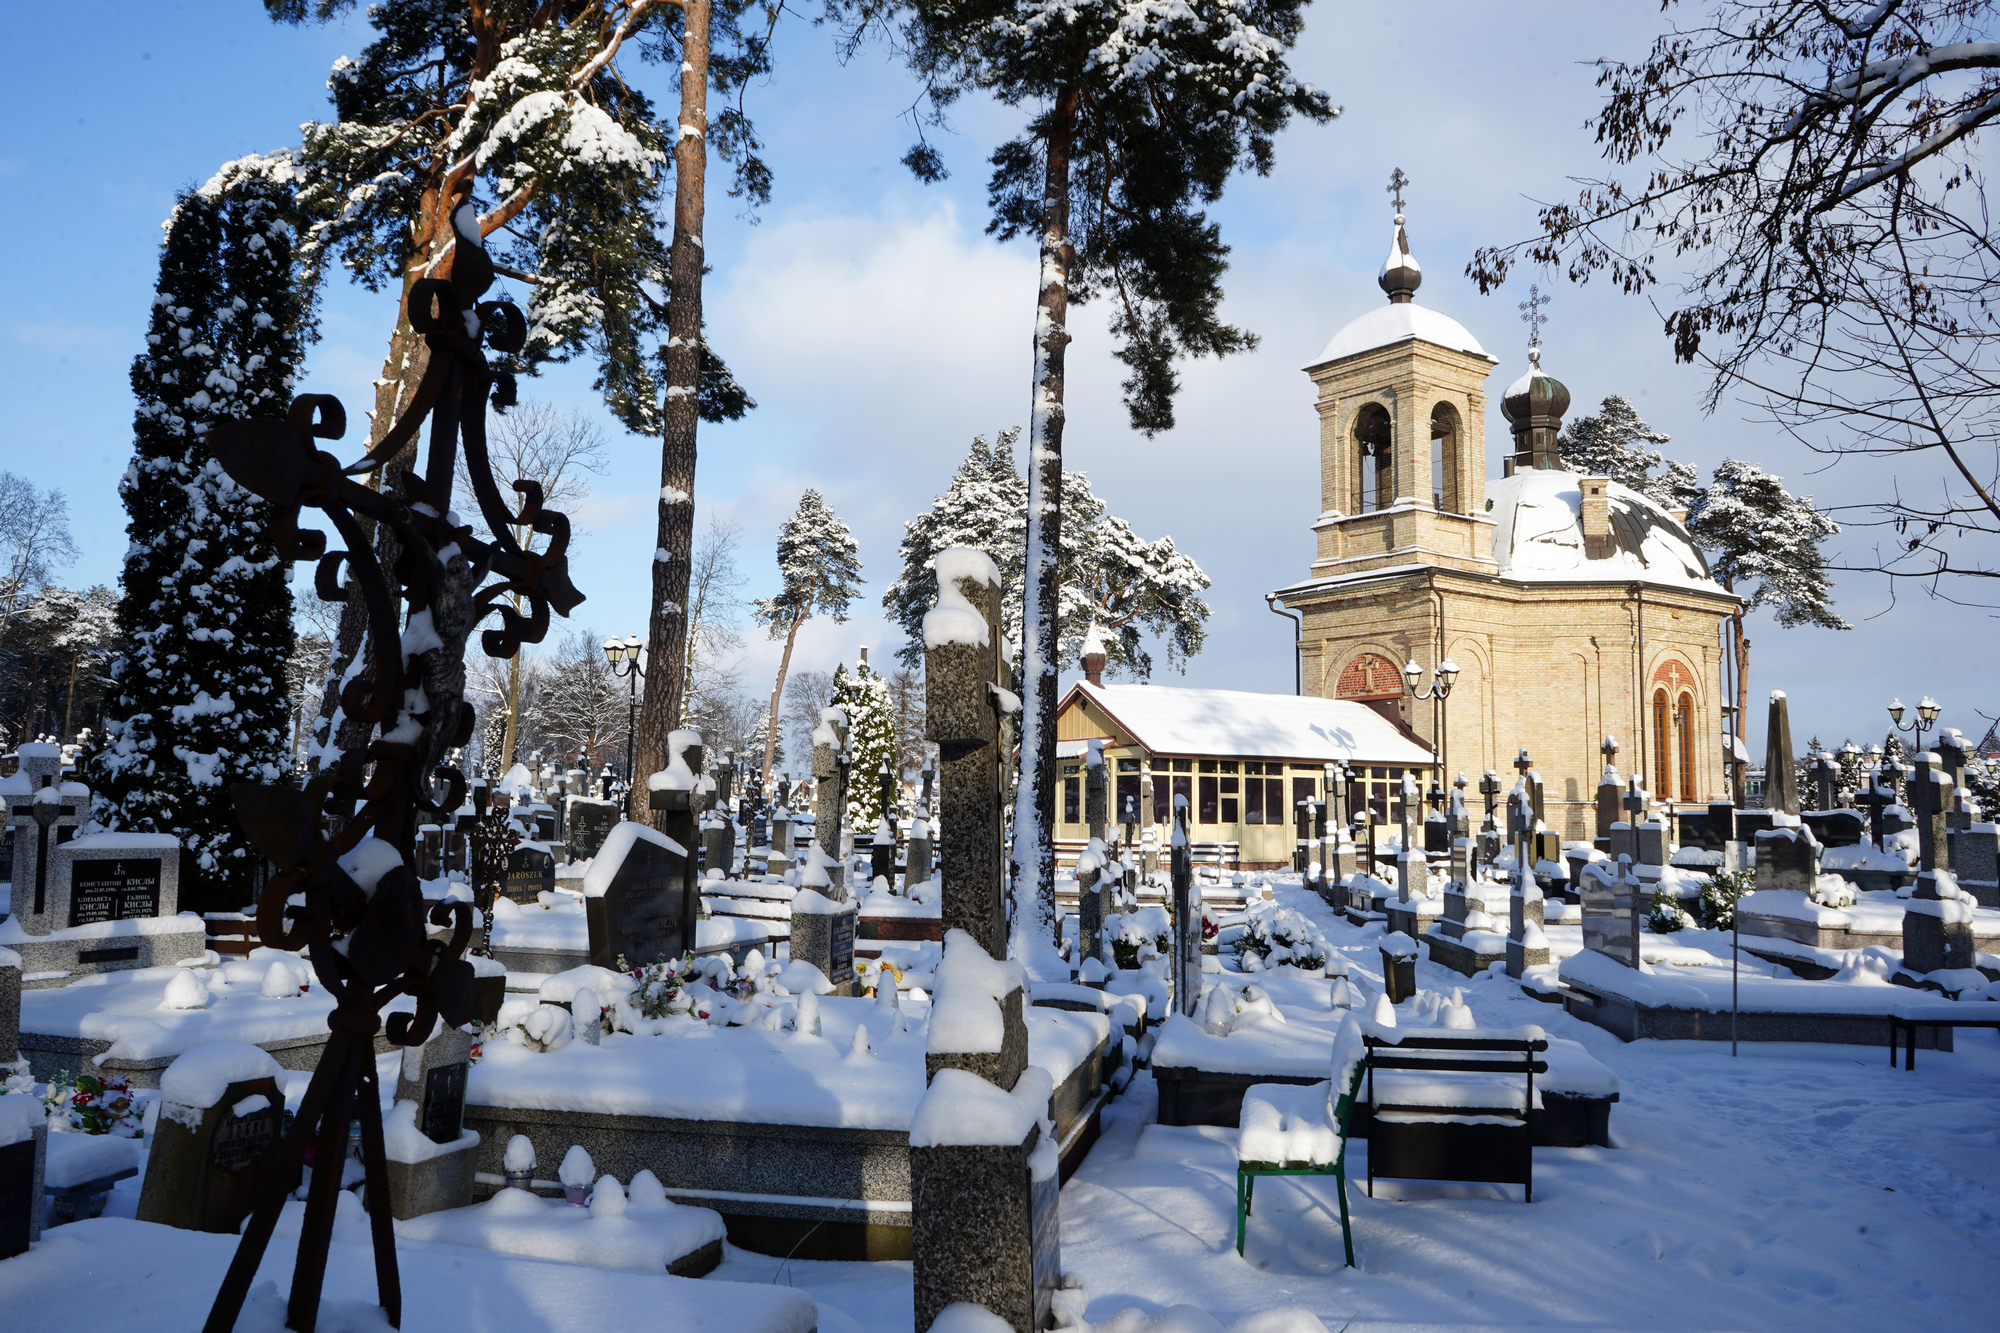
column 1397, row 180
column 1532, row 316
column 1609, row 749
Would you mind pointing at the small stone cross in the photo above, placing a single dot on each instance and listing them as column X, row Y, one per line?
column 1522, row 764
column 1634, row 802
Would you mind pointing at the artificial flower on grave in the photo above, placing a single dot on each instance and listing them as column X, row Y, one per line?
column 88, row 1104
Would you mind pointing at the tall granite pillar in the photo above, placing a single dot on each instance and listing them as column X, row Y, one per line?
column 963, row 671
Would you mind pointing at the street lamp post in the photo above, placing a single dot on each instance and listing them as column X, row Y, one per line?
column 624, row 660
column 1437, row 692
column 1926, row 718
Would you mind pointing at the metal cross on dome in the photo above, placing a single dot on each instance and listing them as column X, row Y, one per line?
column 1532, row 316
column 1397, row 180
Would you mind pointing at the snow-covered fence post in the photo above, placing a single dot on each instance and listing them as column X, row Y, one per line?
column 830, row 793
column 1937, row 917
column 984, row 1165
column 1187, row 915
column 963, row 671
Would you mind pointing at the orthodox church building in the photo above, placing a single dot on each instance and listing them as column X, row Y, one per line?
column 1571, row 607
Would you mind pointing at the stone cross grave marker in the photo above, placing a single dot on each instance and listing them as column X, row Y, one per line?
column 677, row 793
column 882, row 855
column 1937, row 931
column 1090, row 887
column 1488, row 844
column 645, row 910
column 44, row 812
column 964, row 673
column 830, row 764
column 1609, row 788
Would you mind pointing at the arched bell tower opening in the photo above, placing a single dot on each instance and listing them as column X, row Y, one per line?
column 1374, row 459
column 1448, row 463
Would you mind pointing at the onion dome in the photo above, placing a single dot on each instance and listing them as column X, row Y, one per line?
column 1401, row 274
column 1534, row 405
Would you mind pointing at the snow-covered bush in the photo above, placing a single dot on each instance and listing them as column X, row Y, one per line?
column 1719, row 895
column 1275, row 936
column 1665, row 916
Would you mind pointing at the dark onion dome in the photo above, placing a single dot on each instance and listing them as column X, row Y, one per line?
column 1536, row 394
column 1401, row 274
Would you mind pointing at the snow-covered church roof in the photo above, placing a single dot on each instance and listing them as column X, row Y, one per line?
column 1236, row 724
column 1538, row 535
column 1387, row 325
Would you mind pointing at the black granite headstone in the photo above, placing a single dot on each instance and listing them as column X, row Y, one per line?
column 114, row 890
column 18, row 1197
column 1836, row 828
column 589, row 823
column 444, row 1103
column 645, row 912
column 530, row 872
column 843, row 947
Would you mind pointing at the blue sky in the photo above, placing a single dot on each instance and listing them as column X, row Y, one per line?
column 880, row 329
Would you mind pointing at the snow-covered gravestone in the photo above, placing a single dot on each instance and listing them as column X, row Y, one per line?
column 637, row 899
column 677, row 792
column 1937, row 917
column 1612, row 908
column 221, row 1112
column 587, row 820
column 429, row 1150
column 830, row 761
column 963, row 671
column 531, row 872
column 822, row 928
column 1185, row 971
column 984, row 1179
column 24, row 1148
column 100, row 902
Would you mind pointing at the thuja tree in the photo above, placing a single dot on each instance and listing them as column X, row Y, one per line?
column 1138, row 113
column 198, row 699
column 871, row 741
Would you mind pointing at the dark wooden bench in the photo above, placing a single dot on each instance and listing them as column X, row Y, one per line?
column 1905, row 1019
column 1478, row 1136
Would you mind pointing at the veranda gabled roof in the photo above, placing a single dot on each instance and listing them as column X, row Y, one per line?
column 1237, row 724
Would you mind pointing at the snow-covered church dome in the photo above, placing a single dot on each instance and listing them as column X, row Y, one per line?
column 1402, row 319
column 1538, row 535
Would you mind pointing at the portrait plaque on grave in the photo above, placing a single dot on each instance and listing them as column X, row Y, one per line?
column 643, row 913
column 444, row 1102
column 114, row 890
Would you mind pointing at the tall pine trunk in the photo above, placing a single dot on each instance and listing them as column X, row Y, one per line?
column 1033, row 859
column 673, row 556
column 777, row 693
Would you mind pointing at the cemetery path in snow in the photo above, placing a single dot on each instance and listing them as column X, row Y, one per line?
column 1790, row 1187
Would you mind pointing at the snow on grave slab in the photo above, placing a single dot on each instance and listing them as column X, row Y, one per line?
column 139, row 1275
column 640, row 1230
column 128, row 1023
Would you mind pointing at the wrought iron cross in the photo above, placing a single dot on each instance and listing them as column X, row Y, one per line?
column 1532, row 316
column 1397, row 180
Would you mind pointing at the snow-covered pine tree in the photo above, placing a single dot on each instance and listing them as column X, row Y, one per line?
column 1110, row 576
column 1764, row 544
column 871, row 741
column 1614, row 444
column 198, row 700
column 1138, row 114
column 820, row 565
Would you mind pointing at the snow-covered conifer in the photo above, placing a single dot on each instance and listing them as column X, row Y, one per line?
column 820, row 564
column 871, row 741
column 1614, row 444
column 1128, row 586
column 1764, row 545
column 198, row 700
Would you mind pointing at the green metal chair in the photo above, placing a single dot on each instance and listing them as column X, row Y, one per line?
column 1248, row 1172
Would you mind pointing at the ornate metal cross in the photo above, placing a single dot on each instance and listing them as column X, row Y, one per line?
column 1532, row 316
column 1397, row 180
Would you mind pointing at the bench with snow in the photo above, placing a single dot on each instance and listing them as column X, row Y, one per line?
column 81, row 1170
column 1290, row 1129
column 1453, row 1103
column 1905, row 1019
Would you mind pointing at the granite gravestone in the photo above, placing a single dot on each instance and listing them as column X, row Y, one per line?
column 202, row 1171
column 103, row 899
column 1612, row 908
column 588, row 820
column 823, row 935
column 643, row 911
column 1937, row 922
column 24, row 1138
column 531, row 872
column 1090, row 873
column 830, row 765
column 432, row 1077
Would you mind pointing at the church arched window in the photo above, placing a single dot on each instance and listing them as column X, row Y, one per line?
column 1374, row 459
column 1661, row 752
column 1684, row 735
column 1445, row 470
